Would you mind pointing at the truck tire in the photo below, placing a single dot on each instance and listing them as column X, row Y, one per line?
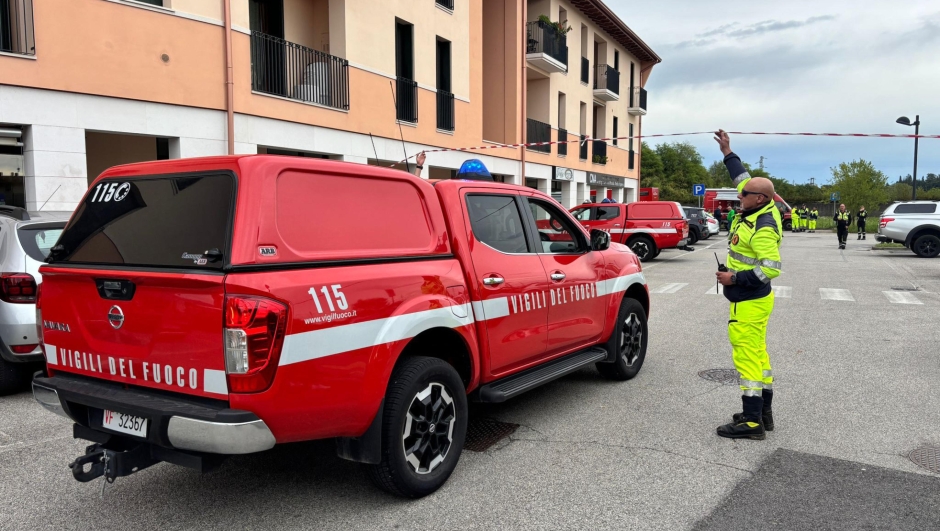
column 926, row 246
column 643, row 247
column 694, row 236
column 12, row 378
column 787, row 225
column 423, row 428
column 628, row 340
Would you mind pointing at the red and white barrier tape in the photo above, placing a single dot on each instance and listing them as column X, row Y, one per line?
column 587, row 139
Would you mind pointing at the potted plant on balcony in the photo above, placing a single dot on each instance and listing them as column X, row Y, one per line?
column 599, row 159
column 561, row 27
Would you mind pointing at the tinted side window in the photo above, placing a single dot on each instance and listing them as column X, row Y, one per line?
column 37, row 240
column 604, row 213
column 582, row 214
column 923, row 208
column 556, row 232
column 496, row 221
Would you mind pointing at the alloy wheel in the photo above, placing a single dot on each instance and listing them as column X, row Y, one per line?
column 429, row 428
column 641, row 249
column 926, row 247
column 631, row 339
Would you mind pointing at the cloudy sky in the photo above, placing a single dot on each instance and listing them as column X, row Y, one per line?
column 835, row 66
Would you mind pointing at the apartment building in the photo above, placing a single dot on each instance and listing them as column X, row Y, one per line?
column 87, row 84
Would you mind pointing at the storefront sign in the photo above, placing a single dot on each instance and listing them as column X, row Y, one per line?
column 602, row 179
column 563, row 174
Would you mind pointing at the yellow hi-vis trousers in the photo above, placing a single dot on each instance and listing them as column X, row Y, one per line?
column 747, row 331
column 812, row 224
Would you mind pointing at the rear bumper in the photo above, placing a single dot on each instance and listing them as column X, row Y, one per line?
column 197, row 425
column 36, row 356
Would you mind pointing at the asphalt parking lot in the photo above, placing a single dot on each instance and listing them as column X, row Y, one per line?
column 855, row 365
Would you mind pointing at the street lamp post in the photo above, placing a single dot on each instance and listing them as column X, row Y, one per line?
column 904, row 120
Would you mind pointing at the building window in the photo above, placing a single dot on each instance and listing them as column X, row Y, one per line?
column 158, row 3
column 407, row 93
column 445, row 97
column 630, row 128
column 615, row 131
column 16, row 27
column 616, row 60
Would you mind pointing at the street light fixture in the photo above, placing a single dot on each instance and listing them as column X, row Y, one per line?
column 904, row 120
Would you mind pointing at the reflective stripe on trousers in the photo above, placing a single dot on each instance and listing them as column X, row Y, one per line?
column 747, row 331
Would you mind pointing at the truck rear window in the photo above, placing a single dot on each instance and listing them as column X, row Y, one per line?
column 156, row 221
column 37, row 240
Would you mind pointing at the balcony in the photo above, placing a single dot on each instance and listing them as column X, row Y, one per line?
column 637, row 102
column 606, row 83
column 289, row 70
column 537, row 131
column 547, row 49
column 599, row 149
column 563, row 146
column 16, row 27
column 583, row 148
column 585, row 70
column 445, row 110
column 406, row 98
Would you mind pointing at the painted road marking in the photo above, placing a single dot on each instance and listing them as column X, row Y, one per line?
column 836, row 294
column 669, row 288
column 901, row 297
column 783, row 292
column 714, row 290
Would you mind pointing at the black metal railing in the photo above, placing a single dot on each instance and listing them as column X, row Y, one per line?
column 638, row 98
column 631, row 160
column 583, row 148
column 406, row 96
column 289, row 70
column 16, row 27
column 607, row 78
column 599, row 150
column 585, row 70
column 543, row 37
column 563, row 138
column 537, row 131
column 445, row 110
column 449, row 4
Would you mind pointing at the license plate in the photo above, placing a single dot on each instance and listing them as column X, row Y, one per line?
column 125, row 423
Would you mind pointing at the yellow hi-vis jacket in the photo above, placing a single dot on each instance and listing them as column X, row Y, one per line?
column 754, row 253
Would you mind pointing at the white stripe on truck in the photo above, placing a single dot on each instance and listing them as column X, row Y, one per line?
column 52, row 356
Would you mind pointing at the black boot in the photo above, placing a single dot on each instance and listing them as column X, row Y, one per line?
column 863, row 236
column 767, row 414
column 749, row 426
column 859, row 235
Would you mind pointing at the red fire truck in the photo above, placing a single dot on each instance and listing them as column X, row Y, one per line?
column 727, row 198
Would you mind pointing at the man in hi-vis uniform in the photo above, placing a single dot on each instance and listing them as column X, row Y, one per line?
column 753, row 260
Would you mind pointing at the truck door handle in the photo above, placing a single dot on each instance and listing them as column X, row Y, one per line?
column 558, row 276
column 493, row 281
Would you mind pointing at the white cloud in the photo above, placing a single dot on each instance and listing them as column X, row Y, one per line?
column 839, row 66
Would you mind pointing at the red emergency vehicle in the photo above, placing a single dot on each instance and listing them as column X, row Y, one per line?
column 199, row 308
column 649, row 194
column 647, row 227
column 727, row 198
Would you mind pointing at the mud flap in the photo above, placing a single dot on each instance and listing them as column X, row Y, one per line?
column 366, row 448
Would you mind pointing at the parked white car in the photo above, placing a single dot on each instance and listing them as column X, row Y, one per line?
column 25, row 241
column 713, row 225
column 916, row 224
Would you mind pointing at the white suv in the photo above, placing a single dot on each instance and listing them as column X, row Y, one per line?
column 916, row 224
column 25, row 240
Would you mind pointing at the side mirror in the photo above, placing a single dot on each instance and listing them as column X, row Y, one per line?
column 600, row 240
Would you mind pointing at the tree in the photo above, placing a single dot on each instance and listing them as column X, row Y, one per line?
column 900, row 191
column 859, row 183
column 651, row 170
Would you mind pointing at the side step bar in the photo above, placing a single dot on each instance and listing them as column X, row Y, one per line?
column 506, row 388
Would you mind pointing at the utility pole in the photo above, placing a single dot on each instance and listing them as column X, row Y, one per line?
column 761, row 163
column 812, row 181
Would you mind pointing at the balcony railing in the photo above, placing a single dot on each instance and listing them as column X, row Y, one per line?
column 599, row 149
column 537, row 131
column 289, row 70
column 607, row 78
column 583, row 148
column 445, row 110
column 543, row 37
column 585, row 70
column 563, row 138
column 406, row 96
column 449, row 4
column 637, row 101
column 631, row 160
column 16, row 27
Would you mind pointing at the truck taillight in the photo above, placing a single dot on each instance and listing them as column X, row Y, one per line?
column 254, row 335
column 884, row 222
column 18, row 288
column 39, row 313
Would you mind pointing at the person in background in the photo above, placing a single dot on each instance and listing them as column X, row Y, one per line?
column 804, row 218
column 718, row 216
column 419, row 163
column 731, row 214
column 843, row 219
column 813, row 216
column 860, row 222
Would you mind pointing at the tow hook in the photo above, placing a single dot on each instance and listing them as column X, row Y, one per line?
column 111, row 464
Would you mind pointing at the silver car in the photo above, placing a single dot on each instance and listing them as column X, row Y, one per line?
column 25, row 241
column 916, row 224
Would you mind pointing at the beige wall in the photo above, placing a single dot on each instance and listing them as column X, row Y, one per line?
column 502, row 77
column 211, row 9
column 305, row 22
column 104, row 150
column 371, row 27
